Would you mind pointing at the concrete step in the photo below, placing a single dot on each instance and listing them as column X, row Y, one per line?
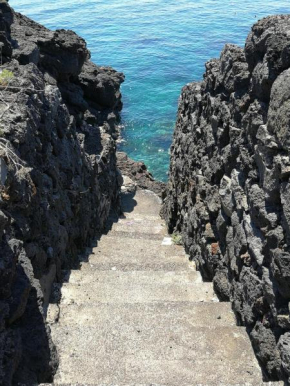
column 159, row 384
column 119, row 248
column 278, row 383
column 136, row 291
column 131, row 371
column 183, row 354
column 121, row 338
column 143, row 202
column 137, row 235
column 126, row 253
column 167, row 316
column 110, row 277
column 148, row 217
column 141, row 225
column 175, row 265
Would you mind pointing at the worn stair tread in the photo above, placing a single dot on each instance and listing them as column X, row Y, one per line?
column 137, row 235
column 98, row 292
column 140, row 229
column 113, row 341
column 167, row 314
column 135, row 266
column 141, row 216
column 131, row 277
column 214, row 383
column 170, row 373
column 143, row 226
column 125, row 247
column 274, row 383
column 139, row 256
column 133, row 291
column 143, row 202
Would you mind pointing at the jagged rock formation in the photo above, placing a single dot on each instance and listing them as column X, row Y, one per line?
column 229, row 189
column 59, row 178
column 137, row 171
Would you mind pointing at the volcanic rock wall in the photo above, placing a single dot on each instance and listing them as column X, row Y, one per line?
column 58, row 182
column 229, row 189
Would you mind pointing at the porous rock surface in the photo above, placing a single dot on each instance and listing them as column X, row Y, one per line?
column 139, row 173
column 59, row 178
column 229, row 189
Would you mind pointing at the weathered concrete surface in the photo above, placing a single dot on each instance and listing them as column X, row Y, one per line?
column 131, row 278
column 146, row 326
column 135, row 292
column 163, row 314
column 140, row 225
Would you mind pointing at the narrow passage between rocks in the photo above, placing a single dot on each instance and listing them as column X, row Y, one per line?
column 137, row 312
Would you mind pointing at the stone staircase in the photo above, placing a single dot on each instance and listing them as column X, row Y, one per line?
column 138, row 313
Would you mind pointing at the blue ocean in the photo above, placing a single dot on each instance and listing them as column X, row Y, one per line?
column 160, row 46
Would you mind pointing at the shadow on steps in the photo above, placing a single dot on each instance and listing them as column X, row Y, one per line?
column 128, row 203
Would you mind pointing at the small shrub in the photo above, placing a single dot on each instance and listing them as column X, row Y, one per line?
column 176, row 238
column 5, row 77
column 7, row 152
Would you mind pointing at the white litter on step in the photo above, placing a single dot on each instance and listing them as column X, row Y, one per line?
column 167, row 241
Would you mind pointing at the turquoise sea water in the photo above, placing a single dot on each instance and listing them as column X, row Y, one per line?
column 160, row 45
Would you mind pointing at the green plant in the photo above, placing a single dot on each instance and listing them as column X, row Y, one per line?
column 5, row 77
column 176, row 238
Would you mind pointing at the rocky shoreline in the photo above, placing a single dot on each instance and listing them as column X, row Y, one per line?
column 228, row 191
column 137, row 172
